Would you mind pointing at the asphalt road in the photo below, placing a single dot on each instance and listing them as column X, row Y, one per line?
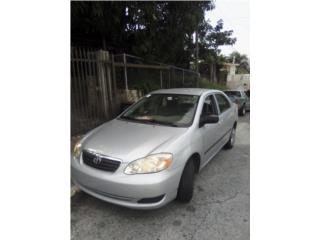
column 219, row 208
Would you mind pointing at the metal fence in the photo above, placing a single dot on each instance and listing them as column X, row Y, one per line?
column 134, row 73
column 100, row 82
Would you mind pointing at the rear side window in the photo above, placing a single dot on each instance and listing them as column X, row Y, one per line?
column 222, row 102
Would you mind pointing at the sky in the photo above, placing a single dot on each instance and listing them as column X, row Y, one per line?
column 235, row 16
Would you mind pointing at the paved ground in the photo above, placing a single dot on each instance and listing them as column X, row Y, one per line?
column 218, row 210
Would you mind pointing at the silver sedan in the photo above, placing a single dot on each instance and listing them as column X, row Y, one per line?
column 148, row 155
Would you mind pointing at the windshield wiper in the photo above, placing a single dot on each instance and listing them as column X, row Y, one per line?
column 162, row 123
column 127, row 118
column 149, row 121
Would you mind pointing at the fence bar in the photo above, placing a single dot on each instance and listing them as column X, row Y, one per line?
column 85, row 82
column 125, row 70
column 80, row 81
column 87, row 77
column 135, row 65
column 96, row 74
column 182, row 77
column 169, row 78
column 92, row 66
column 160, row 79
column 102, row 81
column 114, row 76
column 75, row 93
column 198, row 79
column 109, row 83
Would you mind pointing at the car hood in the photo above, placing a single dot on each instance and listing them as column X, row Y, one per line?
column 129, row 141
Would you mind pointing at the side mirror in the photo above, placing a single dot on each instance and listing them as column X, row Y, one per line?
column 208, row 119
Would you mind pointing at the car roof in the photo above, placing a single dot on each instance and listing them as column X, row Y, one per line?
column 186, row 91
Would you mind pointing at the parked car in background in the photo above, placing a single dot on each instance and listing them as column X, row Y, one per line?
column 241, row 99
column 248, row 102
column 149, row 154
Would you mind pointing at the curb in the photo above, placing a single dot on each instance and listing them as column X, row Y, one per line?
column 74, row 190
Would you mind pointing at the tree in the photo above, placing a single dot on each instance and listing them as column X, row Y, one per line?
column 211, row 39
column 155, row 31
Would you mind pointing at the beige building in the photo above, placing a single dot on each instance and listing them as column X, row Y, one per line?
column 236, row 81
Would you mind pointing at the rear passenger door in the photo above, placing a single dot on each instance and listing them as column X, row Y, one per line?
column 226, row 119
column 210, row 132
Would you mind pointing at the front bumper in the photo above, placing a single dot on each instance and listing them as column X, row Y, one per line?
column 127, row 190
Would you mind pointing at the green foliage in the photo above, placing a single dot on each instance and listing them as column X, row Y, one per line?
column 157, row 30
column 145, row 86
column 204, row 83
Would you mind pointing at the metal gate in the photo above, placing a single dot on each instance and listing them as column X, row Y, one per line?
column 93, row 89
column 98, row 83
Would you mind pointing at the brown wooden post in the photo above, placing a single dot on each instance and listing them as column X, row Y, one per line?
column 160, row 79
column 169, row 78
column 102, row 81
column 116, row 102
column 125, row 71
column 182, row 78
column 109, row 83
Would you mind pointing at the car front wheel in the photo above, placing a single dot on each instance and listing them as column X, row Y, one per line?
column 185, row 190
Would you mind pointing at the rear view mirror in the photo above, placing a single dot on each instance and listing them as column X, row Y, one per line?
column 208, row 119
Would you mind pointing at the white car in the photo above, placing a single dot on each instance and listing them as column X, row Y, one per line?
column 147, row 156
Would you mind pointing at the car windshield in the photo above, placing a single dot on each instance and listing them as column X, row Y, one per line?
column 165, row 109
column 233, row 93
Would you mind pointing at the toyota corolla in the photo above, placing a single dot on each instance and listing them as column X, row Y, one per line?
column 149, row 154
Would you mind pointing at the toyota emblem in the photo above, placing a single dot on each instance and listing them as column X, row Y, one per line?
column 97, row 160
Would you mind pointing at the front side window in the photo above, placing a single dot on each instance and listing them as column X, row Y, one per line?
column 208, row 107
column 164, row 109
column 222, row 102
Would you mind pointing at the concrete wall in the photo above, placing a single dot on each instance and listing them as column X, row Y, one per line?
column 238, row 81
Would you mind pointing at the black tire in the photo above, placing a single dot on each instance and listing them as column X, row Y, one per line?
column 185, row 190
column 231, row 141
column 242, row 110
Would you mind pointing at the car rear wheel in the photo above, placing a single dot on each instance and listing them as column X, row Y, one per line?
column 185, row 190
column 232, row 139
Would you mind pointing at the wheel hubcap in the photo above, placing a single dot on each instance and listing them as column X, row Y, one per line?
column 233, row 134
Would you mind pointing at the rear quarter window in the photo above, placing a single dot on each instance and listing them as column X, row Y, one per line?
column 233, row 93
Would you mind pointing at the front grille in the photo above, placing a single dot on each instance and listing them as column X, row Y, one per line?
column 99, row 161
column 117, row 197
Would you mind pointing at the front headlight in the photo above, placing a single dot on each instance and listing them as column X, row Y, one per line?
column 150, row 164
column 77, row 150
